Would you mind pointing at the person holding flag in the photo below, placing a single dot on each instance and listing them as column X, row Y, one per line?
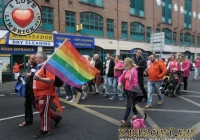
column 45, row 93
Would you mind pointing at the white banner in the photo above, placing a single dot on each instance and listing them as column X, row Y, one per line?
column 30, row 43
column 5, row 64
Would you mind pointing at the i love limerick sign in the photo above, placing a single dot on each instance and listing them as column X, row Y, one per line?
column 22, row 17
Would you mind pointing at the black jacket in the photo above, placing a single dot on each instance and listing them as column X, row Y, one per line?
column 111, row 68
column 99, row 65
column 141, row 63
column 29, row 80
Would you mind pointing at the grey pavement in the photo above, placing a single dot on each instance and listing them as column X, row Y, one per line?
column 97, row 118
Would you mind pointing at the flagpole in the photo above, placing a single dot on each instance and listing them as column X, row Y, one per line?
column 51, row 55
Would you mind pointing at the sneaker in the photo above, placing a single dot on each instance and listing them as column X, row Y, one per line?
column 113, row 98
column 122, row 98
column 105, row 95
column 160, row 102
column 96, row 93
column 84, row 96
column 67, row 97
column 73, row 100
column 184, row 91
column 147, row 106
column 58, row 120
column 41, row 134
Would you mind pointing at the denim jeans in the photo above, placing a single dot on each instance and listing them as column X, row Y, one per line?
column 107, row 83
column 151, row 85
column 58, row 90
column 197, row 71
column 115, row 84
column 128, row 109
column 68, row 89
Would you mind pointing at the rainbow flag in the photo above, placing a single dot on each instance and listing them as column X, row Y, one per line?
column 70, row 66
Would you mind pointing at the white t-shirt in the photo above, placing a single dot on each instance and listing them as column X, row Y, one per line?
column 107, row 65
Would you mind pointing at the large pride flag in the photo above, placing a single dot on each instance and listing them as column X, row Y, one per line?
column 70, row 66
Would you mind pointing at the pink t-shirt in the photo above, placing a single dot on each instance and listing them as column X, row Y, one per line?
column 126, row 79
column 197, row 63
column 118, row 73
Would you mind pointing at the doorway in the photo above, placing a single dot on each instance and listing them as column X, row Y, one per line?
column 19, row 59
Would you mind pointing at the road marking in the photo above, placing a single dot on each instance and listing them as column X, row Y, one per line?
column 2, row 94
column 13, row 93
column 196, row 96
column 98, row 106
column 100, row 115
column 195, row 103
column 6, row 89
column 8, row 118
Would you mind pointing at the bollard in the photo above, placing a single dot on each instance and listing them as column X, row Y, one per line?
column 0, row 77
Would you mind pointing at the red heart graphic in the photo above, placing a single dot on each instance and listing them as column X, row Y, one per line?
column 23, row 17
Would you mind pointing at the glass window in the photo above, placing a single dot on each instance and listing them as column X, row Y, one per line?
column 137, row 7
column 91, row 26
column 193, row 41
column 148, row 34
column 47, row 18
column 137, row 31
column 174, row 38
column 181, row 39
column 110, row 28
column 167, row 11
column 3, row 4
column 70, row 21
column 188, row 15
column 124, row 30
column 187, row 39
column 93, row 2
column 157, row 30
column 168, row 36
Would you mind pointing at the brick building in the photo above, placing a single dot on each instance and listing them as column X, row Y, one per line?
column 121, row 26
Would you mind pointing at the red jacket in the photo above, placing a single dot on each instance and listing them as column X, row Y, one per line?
column 16, row 68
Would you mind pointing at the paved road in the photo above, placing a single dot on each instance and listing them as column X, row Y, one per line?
column 97, row 118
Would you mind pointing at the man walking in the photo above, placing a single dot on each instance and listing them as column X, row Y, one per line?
column 141, row 65
column 45, row 92
column 156, row 71
column 29, row 97
column 109, row 74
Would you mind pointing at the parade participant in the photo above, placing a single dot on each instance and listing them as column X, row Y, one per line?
column 197, row 67
column 172, row 65
column 74, row 89
column 16, row 70
column 29, row 97
column 45, row 92
column 156, row 71
column 90, row 83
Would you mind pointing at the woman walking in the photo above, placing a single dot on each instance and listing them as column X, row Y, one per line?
column 129, row 81
column 184, row 66
column 172, row 65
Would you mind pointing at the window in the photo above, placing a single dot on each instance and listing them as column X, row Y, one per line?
column 110, row 28
column 193, row 40
column 168, row 36
column 92, row 24
column 174, row 38
column 137, row 7
column 70, row 21
column 187, row 39
column 198, row 41
column 188, row 13
column 167, row 11
column 3, row 4
column 124, row 30
column 137, row 31
column 157, row 30
column 148, row 34
column 47, row 18
column 181, row 39
column 93, row 2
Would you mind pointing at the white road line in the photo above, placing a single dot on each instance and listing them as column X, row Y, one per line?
column 2, row 94
column 7, row 89
column 8, row 118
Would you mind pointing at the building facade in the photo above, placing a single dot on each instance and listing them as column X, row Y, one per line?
column 123, row 26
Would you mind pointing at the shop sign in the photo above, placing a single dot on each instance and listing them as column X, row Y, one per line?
column 18, row 50
column 77, row 41
column 48, row 50
column 3, row 36
column 35, row 39
column 5, row 64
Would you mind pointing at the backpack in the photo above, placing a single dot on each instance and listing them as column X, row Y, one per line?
column 58, row 82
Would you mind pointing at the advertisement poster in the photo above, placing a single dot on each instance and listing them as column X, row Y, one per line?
column 5, row 64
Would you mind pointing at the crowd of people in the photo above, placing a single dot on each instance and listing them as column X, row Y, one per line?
column 126, row 76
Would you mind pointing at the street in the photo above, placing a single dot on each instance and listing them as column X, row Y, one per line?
column 97, row 117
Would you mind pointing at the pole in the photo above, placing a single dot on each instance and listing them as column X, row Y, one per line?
column 0, row 77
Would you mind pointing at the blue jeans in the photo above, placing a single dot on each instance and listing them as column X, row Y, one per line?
column 107, row 83
column 115, row 84
column 151, row 86
column 128, row 109
column 58, row 90
column 197, row 71
column 68, row 90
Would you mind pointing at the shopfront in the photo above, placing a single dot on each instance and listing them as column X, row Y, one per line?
column 18, row 48
column 85, row 45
